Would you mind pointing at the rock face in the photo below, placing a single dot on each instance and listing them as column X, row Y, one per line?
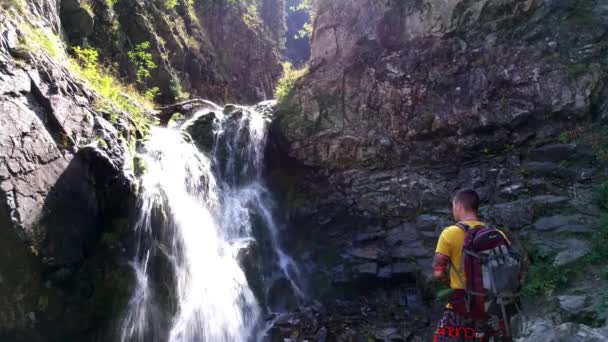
column 64, row 196
column 217, row 50
column 411, row 83
column 406, row 102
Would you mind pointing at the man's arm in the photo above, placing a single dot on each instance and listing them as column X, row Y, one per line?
column 440, row 264
column 442, row 257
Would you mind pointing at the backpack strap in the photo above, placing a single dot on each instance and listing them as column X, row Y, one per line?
column 463, row 226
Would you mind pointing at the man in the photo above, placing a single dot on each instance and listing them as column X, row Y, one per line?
column 456, row 324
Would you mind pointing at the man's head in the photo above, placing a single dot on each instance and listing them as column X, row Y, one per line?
column 465, row 205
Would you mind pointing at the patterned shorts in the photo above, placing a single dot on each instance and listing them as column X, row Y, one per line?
column 455, row 328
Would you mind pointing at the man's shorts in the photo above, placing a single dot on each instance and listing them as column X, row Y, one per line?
column 455, row 328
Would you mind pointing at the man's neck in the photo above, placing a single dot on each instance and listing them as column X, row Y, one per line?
column 470, row 217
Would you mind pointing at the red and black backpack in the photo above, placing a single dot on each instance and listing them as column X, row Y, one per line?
column 492, row 270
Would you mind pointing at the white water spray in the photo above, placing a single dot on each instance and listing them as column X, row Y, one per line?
column 196, row 216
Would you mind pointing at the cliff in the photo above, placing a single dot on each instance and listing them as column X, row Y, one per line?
column 219, row 50
column 75, row 103
column 407, row 101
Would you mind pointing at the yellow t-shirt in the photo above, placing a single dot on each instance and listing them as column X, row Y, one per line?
column 450, row 243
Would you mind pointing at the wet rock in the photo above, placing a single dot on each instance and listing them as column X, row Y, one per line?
column 542, row 168
column 370, row 253
column 321, row 335
column 411, row 250
column 201, row 131
column 366, row 269
column 513, row 215
column 563, row 223
column 544, row 331
column 430, row 223
column 575, row 250
column 572, row 304
column 281, row 296
column 403, row 268
column 369, row 236
column 388, row 334
column 553, row 153
column 404, row 233
column 549, row 200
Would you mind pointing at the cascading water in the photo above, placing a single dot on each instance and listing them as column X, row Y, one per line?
column 198, row 218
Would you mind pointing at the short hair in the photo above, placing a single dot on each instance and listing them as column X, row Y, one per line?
column 468, row 198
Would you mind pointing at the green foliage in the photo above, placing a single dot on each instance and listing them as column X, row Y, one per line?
column 111, row 3
column 115, row 97
column 151, row 93
column 87, row 7
column 178, row 91
column 142, row 58
column 38, row 39
column 287, row 80
column 543, row 278
column 304, row 32
column 305, row 5
column 170, row 4
column 251, row 17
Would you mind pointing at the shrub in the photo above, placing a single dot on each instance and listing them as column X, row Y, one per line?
column 115, row 96
column 287, row 80
column 543, row 278
column 142, row 58
column 151, row 93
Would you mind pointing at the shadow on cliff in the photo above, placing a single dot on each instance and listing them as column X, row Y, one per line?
column 83, row 237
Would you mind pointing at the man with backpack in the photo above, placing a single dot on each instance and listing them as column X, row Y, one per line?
column 484, row 276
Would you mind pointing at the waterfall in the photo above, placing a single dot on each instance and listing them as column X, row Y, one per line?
column 199, row 211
